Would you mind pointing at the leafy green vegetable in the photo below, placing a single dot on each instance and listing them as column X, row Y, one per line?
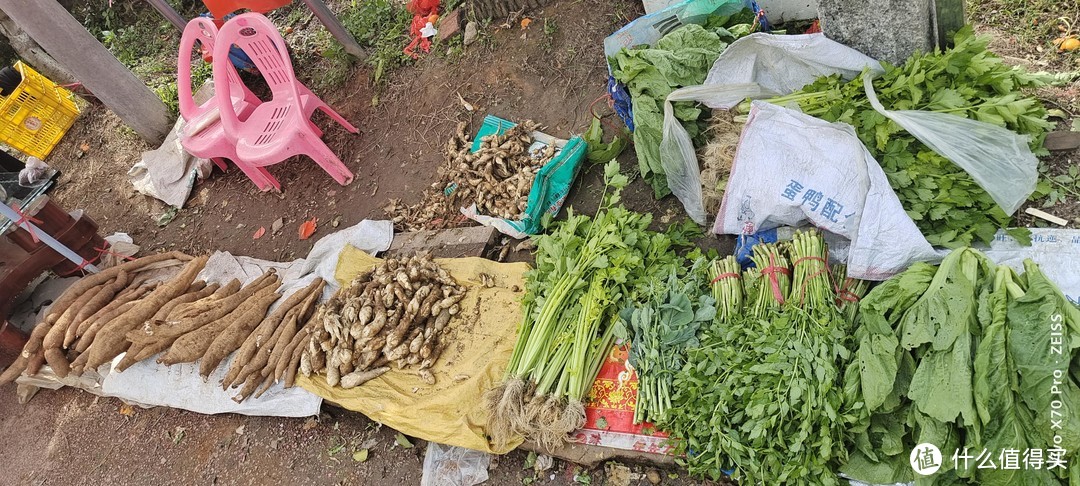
column 763, row 394
column 680, row 58
column 599, row 152
column 948, row 206
column 661, row 325
column 963, row 356
column 586, row 270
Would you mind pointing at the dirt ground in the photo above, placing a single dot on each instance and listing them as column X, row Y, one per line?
column 75, row 438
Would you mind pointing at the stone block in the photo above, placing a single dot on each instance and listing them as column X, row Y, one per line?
column 886, row 30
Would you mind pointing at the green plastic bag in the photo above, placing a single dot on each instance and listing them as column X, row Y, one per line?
column 550, row 187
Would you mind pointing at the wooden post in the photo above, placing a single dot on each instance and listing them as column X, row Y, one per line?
column 950, row 18
column 65, row 39
column 336, row 29
column 169, row 13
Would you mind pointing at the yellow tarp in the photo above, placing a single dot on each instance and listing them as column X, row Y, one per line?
column 481, row 341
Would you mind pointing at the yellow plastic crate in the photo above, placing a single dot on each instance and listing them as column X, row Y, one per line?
column 36, row 114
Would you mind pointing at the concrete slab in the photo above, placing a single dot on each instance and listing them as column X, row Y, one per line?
column 886, row 30
column 450, row 243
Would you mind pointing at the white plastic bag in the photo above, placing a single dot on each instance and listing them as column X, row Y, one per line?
column 756, row 66
column 446, row 465
column 997, row 158
column 764, row 65
column 1056, row 250
column 791, row 169
column 35, row 171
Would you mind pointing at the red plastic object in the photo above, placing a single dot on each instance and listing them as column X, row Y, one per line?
column 423, row 7
column 76, row 231
column 221, row 8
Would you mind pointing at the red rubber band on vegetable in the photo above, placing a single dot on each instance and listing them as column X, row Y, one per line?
column 817, row 258
column 846, row 295
column 723, row 276
column 771, row 271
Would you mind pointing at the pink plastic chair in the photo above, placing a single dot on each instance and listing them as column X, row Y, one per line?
column 280, row 128
column 203, row 134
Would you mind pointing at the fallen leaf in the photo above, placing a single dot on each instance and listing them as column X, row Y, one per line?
column 127, row 410
column 525, row 23
column 278, row 224
column 468, row 106
column 167, row 216
column 543, row 463
column 307, row 228
column 360, row 455
column 85, row 147
column 1056, row 113
column 1076, row 125
column 178, row 435
column 336, row 221
column 259, row 233
column 240, row 430
column 310, row 424
column 403, row 441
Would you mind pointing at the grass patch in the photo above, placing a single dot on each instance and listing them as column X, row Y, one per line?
column 1035, row 23
column 143, row 41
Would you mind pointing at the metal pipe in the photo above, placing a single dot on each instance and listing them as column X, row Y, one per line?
column 10, row 213
column 336, row 29
column 169, row 13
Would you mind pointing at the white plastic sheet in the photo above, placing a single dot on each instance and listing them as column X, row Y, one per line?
column 756, row 66
column 168, row 172
column 447, row 465
column 1057, row 251
column 818, row 173
column 148, row 384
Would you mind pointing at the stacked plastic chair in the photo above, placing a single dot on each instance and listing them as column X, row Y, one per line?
column 235, row 124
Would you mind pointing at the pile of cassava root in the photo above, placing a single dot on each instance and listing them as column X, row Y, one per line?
column 118, row 311
column 497, row 178
column 395, row 314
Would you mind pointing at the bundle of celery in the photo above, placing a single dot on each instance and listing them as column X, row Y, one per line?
column 763, row 393
column 661, row 325
column 585, row 268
